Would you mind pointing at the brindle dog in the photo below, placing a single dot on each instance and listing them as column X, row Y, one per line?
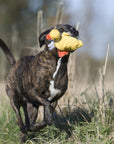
column 37, row 80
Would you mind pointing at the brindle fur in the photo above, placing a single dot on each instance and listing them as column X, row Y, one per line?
column 29, row 79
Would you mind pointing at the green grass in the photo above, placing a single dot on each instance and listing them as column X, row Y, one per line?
column 70, row 127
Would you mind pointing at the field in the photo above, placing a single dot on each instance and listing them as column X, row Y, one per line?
column 84, row 115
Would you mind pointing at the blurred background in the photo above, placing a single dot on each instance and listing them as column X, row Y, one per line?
column 95, row 19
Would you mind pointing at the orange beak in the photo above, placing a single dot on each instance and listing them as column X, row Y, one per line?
column 62, row 53
column 48, row 37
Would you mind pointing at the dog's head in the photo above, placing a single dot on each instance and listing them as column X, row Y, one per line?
column 61, row 38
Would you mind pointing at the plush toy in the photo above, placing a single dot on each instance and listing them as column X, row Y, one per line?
column 65, row 42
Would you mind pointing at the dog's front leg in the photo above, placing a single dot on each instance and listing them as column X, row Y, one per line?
column 48, row 116
column 32, row 111
column 53, row 105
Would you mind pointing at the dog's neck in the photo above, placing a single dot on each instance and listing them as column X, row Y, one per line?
column 52, row 56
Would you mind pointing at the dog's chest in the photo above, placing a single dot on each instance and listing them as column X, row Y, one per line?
column 54, row 91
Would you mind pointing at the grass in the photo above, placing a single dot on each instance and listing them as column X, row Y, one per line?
column 72, row 125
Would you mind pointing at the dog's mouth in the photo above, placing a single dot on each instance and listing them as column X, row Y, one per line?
column 64, row 42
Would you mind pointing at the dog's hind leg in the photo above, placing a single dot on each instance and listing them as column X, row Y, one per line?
column 14, row 100
column 27, row 122
column 16, row 108
column 30, row 112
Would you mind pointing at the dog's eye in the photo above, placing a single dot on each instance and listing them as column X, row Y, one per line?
column 61, row 30
column 75, row 33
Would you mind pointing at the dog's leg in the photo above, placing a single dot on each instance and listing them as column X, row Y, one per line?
column 54, row 104
column 27, row 123
column 32, row 113
column 43, row 124
column 23, row 137
column 47, row 106
column 40, row 125
column 16, row 108
column 14, row 100
column 47, row 111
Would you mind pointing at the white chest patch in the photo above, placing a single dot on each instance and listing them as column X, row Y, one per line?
column 53, row 91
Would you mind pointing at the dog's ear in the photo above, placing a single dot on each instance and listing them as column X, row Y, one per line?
column 42, row 37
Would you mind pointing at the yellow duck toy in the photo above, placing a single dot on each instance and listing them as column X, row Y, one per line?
column 64, row 42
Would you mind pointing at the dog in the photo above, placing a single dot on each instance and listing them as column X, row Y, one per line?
column 37, row 80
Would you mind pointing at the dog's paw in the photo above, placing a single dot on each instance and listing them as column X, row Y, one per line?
column 23, row 138
column 24, row 129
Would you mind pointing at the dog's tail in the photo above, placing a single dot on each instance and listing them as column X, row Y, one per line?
column 7, row 52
